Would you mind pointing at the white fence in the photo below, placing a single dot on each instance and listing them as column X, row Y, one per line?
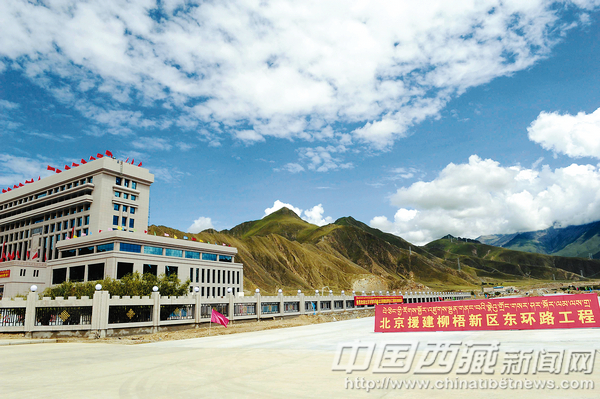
column 104, row 315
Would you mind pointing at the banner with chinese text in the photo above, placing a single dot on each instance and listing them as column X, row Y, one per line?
column 561, row 311
column 376, row 300
column 4, row 273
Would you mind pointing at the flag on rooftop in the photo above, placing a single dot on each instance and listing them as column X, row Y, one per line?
column 67, row 167
column 51, row 168
column 167, row 235
column 92, row 158
column 83, row 161
column 216, row 317
column 58, row 171
column 194, row 239
column 119, row 228
column 74, row 164
column 109, row 153
column 185, row 237
column 98, row 155
column 140, row 164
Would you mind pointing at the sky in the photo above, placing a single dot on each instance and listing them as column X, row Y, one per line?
column 418, row 118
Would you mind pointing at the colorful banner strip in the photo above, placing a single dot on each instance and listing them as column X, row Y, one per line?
column 4, row 273
column 561, row 311
column 376, row 300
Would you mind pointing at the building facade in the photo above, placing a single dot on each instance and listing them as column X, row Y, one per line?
column 90, row 222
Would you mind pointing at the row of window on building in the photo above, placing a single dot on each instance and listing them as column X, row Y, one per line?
column 51, row 191
column 125, row 183
column 50, row 216
column 123, row 221
column 23, row 273
column 119, row 194
column 148, row 250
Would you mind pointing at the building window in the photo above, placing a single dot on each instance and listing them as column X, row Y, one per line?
column 133, row 185
column 117, row 194
column 22, row 273
column 79, row 222
column 68, row 253
column 153, row 250
column 133, row 197
column 150, row 269
column 115, row 220
column 90, row 179
column 191, row 275
column 106, row 247
column 209, row 256
column 123, row 221
column 132, row 210
column 118, row 181
column 124, row 269
column 192, row 255
column 86, row 220
column 225, row 258
column 86, row 250
column 76, row 273
column 124, row 247
column 131, row 223
column 197, row 275
column 125, row 196
column 202, row 275
column 170, row 270
column 59, row 275
column 116, row 207
column 126, row 183
column 95, row 271
column 36, row 273
column 124, row 208
column 174, row 252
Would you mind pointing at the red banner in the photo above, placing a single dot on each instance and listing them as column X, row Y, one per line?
column 377, row 300
column 4, row 273
column 561, row 311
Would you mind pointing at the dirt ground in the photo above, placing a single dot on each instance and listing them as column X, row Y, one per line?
column 234, row 327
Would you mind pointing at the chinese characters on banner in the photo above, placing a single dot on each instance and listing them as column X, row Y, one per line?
column 376, row 300
column 4, row 273
column 562, row 311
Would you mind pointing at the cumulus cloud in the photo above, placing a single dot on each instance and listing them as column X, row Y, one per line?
column 313, row 215
column 15, row 170
column 202, row 223
column 573, row 135
column 283, row 68
column 277, row 205
column 482, row 197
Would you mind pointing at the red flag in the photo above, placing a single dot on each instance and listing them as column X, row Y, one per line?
column 132, row 161
column 4, row 191
column 45, row 257
column 217, row 317
column 140, row 164
column 11, row 256
column 9, row 189
column 92, row 158
column 109, row 153
column 57, row 171
column 194, row 239
column 18, row 255
column 83, row 161
column 51, row 168
column 127, row 160
column 15, row 186
column 67, row 167
column 35, row 255
column 28, row 255
column 73, row 232
column 75, row 165
column 39, row 177
column 98, row 155
column 21, row 184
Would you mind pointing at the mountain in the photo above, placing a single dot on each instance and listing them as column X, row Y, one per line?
column 571, row 241
column 283, row 251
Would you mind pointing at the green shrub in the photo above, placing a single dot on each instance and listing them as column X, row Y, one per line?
column 133, row 284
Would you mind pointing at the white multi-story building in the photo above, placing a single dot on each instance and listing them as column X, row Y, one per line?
column 90, row 222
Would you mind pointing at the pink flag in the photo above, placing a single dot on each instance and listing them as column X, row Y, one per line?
column 167, row 235
column 217, row 317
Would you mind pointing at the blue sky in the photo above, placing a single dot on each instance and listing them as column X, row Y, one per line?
column 420, row 120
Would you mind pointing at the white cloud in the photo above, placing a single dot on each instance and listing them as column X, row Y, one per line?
column 15, row 170
column 151, row 144
column 320, row 159
column 573, row 135
column 282, row 69
column 277, row 205
column 8, row 105
column 292, row 168
column 313, row 215
column 202, row 223
column 482, row 197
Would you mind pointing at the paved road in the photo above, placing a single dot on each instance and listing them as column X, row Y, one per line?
column 282, row 363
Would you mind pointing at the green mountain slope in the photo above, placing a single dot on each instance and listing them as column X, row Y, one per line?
column 284, row 251
column 571, row 241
